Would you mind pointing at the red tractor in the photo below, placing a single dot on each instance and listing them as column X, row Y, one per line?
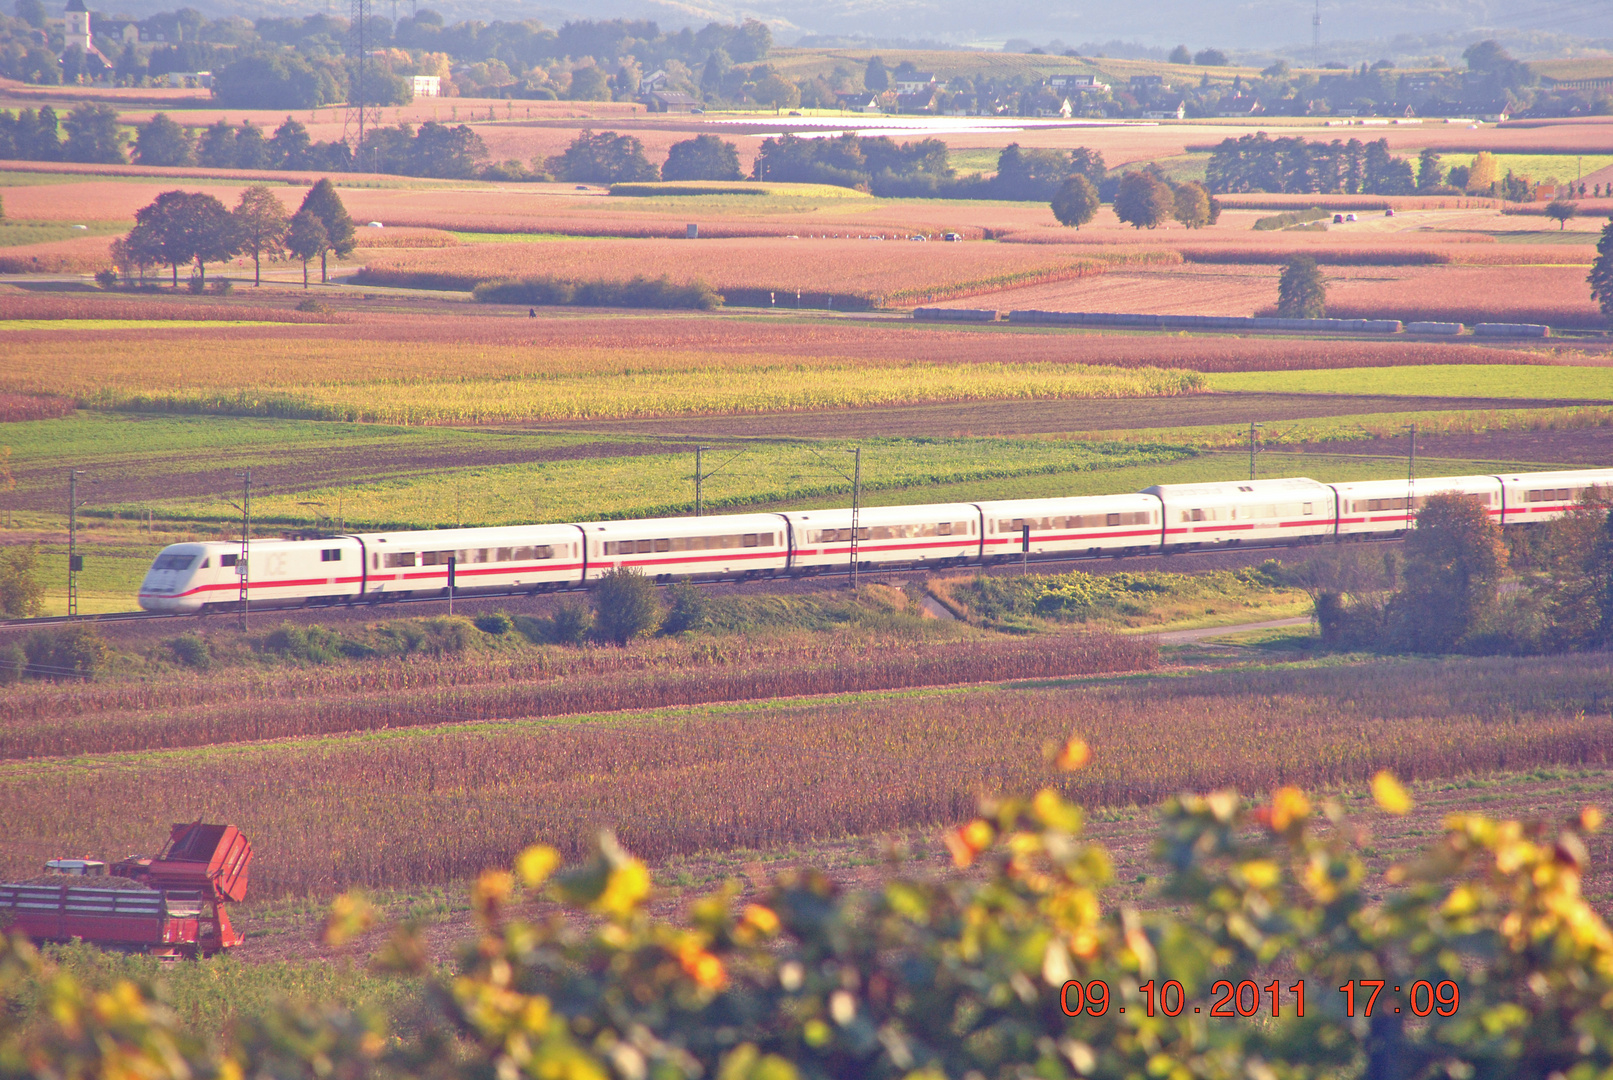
column 169, row 904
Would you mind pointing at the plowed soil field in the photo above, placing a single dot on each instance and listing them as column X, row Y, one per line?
column 860, row 267
column 1556, row 295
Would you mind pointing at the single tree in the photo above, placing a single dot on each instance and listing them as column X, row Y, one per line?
column 93, row 135
column 704, row 157
column 1454, row 559
column 183, row 226
column 1301, row 292
column 216, row 148
column 323, row 202
column 1210, row 58
column 606, row 158
column 1482, row 174
column 261, row 223
column 1429, row 172
column 306, row 239
column 625, row 606
column 875, row 77
column 1575, row 587
column 775, row 90
column 1601, row 276
column 1076, row 201
column 1181, row 55
column 20, row 590
column 589, row 84
column 1192, row 204
column 289, row 147
column 160, row 141
column 1144, row 200
column 1561, row 210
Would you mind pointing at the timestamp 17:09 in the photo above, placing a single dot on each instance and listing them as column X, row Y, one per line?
column 1244, row 999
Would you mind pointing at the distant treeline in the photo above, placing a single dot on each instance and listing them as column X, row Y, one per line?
column 921, row 169
column 94, row 135
column 1293, row 165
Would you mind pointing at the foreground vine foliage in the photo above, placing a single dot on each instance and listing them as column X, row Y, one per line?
column 959, row 975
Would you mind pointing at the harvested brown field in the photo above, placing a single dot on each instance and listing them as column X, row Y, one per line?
column 893, row 272
column 1557, row 295
column 426, row 806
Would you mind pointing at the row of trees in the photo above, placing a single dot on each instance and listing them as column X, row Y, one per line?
column 192, row 228
column 1448, row 597
column 93, row 135
column 1293, row 164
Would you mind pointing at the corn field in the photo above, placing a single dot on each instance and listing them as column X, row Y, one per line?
column 405, row 807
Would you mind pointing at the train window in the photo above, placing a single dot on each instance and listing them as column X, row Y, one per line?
column 206, row 563
column 1310, row 508
column 749, row 540
column 375, row 562
column 229, row 560
column 944, row 529
column 434, row 558
column 174, row 562
column 399, row 558
column 1111, row 519
column 478, row 555
column 330, row 555
column 663, row 545
column 960, row 527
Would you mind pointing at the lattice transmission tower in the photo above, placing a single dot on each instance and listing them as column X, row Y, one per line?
column 358, row 52
column 1316, row 34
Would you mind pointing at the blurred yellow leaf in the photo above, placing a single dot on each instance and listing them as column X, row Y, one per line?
column 535, row 864
column 625, row 889
column 1075, row 755
column 350, row 915
column 1389, row 794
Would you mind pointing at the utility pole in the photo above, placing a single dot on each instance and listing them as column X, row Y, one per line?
column 1411, row 473
column 1252, row 427
column 699, row 478
column 453, row 564
column 1316, row 35
column 241, row 565
column 75, row 561
column 856, row 507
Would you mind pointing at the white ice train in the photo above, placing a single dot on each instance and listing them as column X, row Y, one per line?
column 375, row 567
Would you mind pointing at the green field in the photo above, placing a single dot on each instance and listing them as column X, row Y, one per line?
column 744, row 475
column 17, row 233
column 1433, row 380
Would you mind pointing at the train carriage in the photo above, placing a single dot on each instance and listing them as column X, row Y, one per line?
column 729, row 545
column 1087, row 525
column 187, row 578
column 1292, row 510
column 1380, row 507
column 935, row 534
column 1532, row 497
column 505, row 559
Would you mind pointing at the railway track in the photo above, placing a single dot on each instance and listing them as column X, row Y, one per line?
column 1011, row 566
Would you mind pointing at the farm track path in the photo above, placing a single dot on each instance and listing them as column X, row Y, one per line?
column 1182, row 637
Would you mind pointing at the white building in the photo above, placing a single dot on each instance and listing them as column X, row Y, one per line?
column 427, row 86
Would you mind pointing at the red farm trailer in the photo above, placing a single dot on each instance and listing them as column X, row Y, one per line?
column 168, row 904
